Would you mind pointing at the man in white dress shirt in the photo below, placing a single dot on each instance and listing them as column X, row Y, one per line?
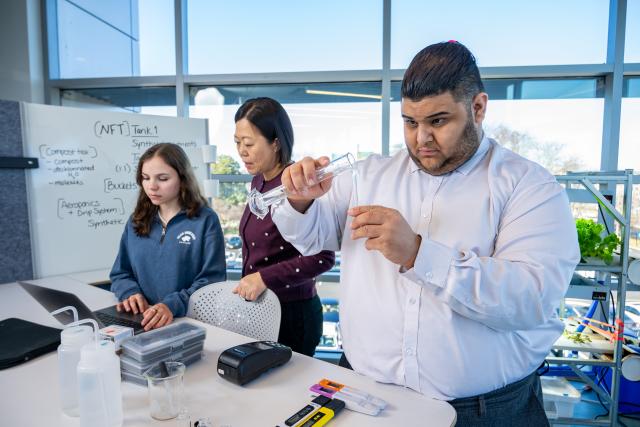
column 456, row 252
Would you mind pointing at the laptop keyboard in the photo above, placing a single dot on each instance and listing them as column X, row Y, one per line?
column 107, row 320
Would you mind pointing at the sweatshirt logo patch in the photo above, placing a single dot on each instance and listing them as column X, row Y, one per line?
column 186, row 237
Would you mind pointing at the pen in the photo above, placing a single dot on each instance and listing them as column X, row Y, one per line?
column 324, row 414
column 296, row 419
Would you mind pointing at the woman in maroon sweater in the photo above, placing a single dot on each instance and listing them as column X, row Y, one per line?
column 264, row 139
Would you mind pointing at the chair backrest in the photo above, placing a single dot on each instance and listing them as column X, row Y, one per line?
column 216, row 305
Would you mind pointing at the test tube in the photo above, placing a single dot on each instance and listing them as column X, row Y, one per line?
column 259, row 202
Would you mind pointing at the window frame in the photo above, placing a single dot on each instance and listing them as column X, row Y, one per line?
column 613, row 71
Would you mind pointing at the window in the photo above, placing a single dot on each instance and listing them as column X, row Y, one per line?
column 504, row 33
column 328, row 119
column 557, row 123
column 159, row 101
column 632, row 39
column 92, row 38
column 258, row 36
column 629, row 154
column 229, row 205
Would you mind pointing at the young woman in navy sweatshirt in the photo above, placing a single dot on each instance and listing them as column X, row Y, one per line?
column 172, row 244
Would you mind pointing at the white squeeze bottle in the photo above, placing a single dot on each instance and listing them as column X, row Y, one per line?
column 99, row 394
column 72, row 338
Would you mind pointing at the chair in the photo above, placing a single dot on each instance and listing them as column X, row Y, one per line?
column 216, row 305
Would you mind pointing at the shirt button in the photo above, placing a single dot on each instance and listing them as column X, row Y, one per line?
column 428, row 275
column 409, row 352
column 266, row 258
column 251, row 267
column 253, row 243
column 266, row 234
column 425, row 216
column 412, row 301
column 287, row 286
column 320, row 261
column 281, row 248
column 297, row 270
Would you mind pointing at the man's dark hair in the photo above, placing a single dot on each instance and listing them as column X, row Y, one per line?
column 442, row 67
column 272, row 121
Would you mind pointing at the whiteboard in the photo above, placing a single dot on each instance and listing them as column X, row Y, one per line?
column 84, row 190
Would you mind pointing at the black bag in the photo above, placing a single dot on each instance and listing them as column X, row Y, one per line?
column 21, row 340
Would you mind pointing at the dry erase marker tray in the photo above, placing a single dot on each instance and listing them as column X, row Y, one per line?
column 156, row 344
column 139, row 379
column 131, row 365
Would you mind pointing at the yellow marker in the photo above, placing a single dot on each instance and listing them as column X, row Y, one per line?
column 324, row 414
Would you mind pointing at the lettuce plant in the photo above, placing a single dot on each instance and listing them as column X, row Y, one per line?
column 591, row 242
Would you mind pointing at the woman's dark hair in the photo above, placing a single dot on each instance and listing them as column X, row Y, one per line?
column 442, row 67
column 190, row 198
column 273, row 122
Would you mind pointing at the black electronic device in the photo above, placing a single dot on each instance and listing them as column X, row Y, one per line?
column 246, row 362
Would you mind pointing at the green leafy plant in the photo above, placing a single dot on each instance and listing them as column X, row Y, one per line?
column 577, row 337
column 591, row 242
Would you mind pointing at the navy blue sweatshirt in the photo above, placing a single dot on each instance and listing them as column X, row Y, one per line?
column 168, row 269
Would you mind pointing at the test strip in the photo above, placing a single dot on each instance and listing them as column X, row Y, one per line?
column 352, row 403
column 353, row 392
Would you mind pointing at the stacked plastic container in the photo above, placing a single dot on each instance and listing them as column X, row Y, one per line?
column 180, row 342
column 559, row 397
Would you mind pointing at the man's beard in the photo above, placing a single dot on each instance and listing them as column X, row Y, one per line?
column 467, row 146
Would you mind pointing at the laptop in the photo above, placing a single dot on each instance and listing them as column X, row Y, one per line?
column 53, row 299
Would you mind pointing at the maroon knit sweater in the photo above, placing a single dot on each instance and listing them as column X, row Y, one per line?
column 287, row 273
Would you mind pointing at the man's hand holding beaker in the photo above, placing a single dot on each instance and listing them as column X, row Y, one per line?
column 301, row 183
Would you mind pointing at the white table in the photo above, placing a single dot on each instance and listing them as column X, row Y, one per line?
column 91, row 277
column 29, row 393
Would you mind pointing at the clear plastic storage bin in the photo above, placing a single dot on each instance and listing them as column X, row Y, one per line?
column 559, row 397
column 131, row 365
column 139, row 379
column 158, row 344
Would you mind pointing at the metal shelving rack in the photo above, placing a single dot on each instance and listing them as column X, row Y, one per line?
column 589, row 182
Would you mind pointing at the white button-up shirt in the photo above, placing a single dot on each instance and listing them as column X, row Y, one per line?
column 478, row 309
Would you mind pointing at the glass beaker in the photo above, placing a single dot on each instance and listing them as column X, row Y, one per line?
column 165, row 384
column 259, row 202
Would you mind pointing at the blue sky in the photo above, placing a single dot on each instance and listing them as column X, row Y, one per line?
column 290, row 35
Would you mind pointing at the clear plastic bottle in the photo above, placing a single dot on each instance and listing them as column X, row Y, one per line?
column 99, row 394
column 72, row 340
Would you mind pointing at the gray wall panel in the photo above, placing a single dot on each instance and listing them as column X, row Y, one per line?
column 15, row 249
